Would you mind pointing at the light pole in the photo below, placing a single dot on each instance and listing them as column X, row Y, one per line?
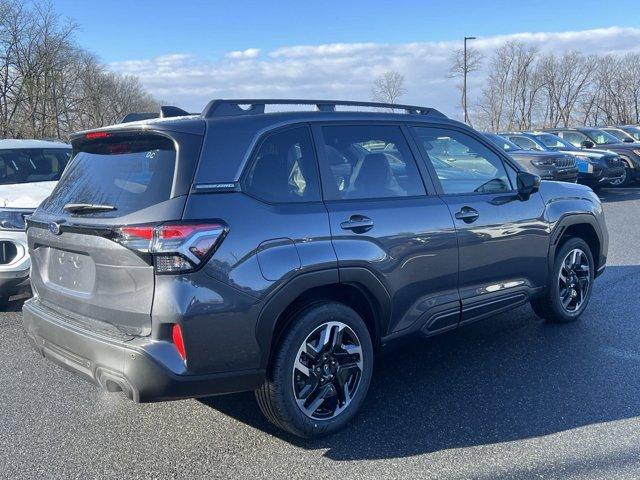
column 464, row 80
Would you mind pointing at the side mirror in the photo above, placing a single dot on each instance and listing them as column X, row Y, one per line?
column 628, row 140
column 528, row 184
column 587, row 144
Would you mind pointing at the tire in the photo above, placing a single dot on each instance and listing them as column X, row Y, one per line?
column 280, row 394
column 4, row 300
column 550, row 307
column 628, row 179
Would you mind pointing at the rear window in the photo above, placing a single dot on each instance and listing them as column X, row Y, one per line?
column 29, row 165
column 127, row 173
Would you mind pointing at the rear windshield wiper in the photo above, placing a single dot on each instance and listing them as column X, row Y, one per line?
column 87, row 207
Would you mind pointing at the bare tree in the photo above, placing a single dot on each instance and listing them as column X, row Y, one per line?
column 566, row 80
column 528, row 90
column 460, row 68
column 49, row 86
column 388, row 87
column 614, row 92
column 631, row 73
column 510, row 95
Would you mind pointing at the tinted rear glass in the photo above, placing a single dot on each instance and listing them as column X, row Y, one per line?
column 28, row 165
column 368, row 161
column 284, row 168
column 127, row 173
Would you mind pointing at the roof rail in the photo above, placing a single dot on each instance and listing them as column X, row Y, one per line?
column 218, row 108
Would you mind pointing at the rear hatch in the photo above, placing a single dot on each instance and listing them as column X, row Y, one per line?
column 116, row 179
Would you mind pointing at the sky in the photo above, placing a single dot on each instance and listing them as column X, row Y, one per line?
column 187, row 52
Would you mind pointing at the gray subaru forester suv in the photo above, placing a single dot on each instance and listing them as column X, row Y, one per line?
column 241, row 249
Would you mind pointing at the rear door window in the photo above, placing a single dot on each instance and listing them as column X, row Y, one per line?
column 368, row 161
column 126, row 172
column 30, row 165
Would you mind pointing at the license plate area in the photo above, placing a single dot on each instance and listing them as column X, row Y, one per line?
column 71, row 271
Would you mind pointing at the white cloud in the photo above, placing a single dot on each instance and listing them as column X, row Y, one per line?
column 248, row 53
column 345, row 71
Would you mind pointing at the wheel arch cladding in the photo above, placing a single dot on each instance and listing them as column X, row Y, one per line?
column 583, row 226
column 304, row 290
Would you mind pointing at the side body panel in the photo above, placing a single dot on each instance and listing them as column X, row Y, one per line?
column 267, row 246
column 503, row 254
column 503, row 249
column 411, row 247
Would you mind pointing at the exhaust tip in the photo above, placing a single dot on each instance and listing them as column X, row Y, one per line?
column 112, row 387
column 113, row 384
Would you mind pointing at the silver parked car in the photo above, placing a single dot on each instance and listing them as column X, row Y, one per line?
column 29, row 169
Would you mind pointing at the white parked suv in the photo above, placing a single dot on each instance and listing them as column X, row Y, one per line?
column 29, row 169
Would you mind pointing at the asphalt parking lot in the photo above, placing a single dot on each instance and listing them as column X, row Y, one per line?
column 511, row 397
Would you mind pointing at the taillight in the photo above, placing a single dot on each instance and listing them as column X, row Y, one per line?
column 178, row 341
column 94, row 135
column 176, row 247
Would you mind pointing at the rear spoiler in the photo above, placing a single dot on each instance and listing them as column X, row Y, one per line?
column 136, row 116
column 166, row 111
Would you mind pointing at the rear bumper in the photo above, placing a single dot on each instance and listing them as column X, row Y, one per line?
column 145, row 371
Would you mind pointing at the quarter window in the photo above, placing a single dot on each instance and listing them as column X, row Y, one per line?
column 284, row 169
column 463, row 164
column 368, row 162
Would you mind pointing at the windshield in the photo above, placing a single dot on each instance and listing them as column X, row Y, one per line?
column 619, row 134
column 554, row 142
column 600, row 137
column 633, row 131
column 127, row 174
column 29, row 165
column 506, row 145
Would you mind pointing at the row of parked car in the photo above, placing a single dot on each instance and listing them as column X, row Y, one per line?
column 596, row 157
column 245, row 250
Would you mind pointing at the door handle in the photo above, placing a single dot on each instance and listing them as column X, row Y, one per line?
column 357, row 224
column 467, row 215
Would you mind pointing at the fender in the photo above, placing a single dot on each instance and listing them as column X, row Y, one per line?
column 565, row 221
column 361, row 278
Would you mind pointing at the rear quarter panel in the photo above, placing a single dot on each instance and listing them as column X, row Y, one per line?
column 266, row 247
